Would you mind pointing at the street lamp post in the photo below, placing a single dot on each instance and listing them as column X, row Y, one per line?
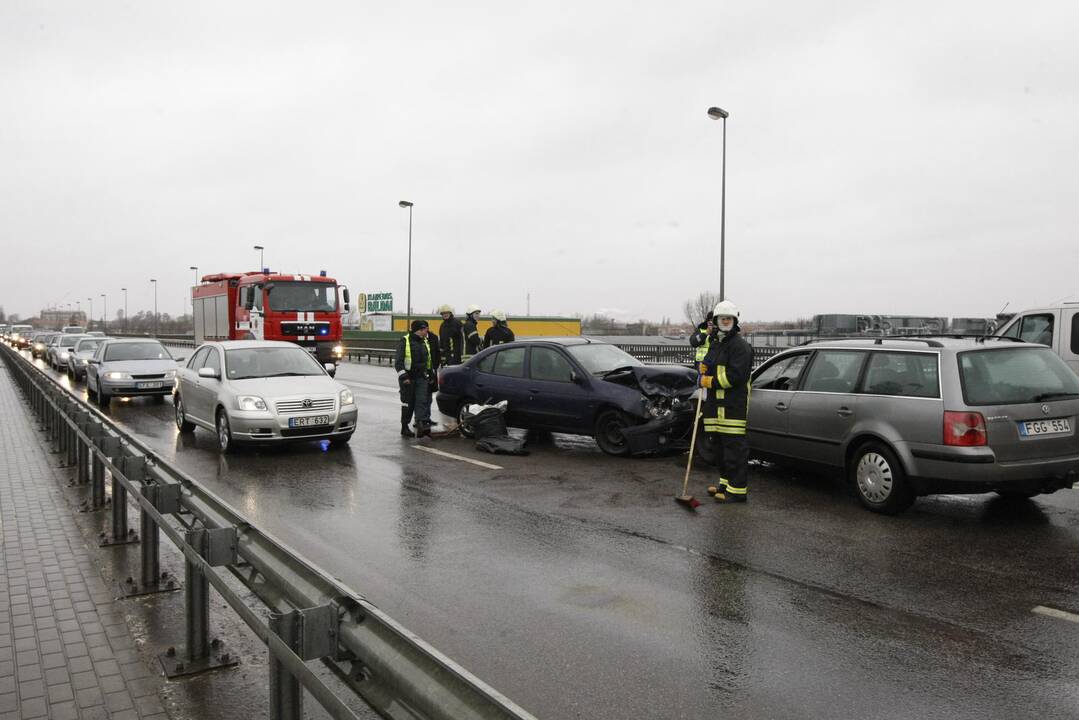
column 196, row 269
column 720, row 114
column 104, row 313
column 90, row 322
column 125, row 308
column 261, row 259
column 155, row 305
column 408, row 298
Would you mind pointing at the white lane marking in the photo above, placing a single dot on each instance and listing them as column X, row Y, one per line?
column 457, row 457
column 369, row 386
column 1054, row 613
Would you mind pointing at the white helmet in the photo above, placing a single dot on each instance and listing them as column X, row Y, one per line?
column 444, row 308
column 725, row 308
column 498, row 315
column 473, row 309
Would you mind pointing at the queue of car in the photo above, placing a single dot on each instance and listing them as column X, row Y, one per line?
column 897, row 417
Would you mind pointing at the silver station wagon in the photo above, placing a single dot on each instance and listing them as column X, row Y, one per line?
column 262, row 391
column 909, row 417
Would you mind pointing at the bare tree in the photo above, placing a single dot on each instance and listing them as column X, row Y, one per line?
column 699, row 308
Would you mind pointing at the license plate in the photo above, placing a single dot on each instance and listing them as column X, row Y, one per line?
column 149, row 385
column 295, row 422
column 1052, row 426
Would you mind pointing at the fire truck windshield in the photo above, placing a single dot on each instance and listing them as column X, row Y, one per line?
column 302, row 297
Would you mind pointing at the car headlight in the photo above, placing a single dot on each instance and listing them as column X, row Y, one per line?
column 338, row 350
column 39, row 346
column 170, row 374
column 115, row 375
column 64, row 356
column 250, row 402
column 346, row 397
column 80, row 361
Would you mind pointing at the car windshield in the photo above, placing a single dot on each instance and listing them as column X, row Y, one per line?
column 598, row 358
column 1015, row 375
column 136, row 351
column 69, row 340
column 302, row 297
column 264, row 362
column 87, row 345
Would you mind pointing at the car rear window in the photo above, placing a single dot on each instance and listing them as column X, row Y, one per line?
column 902, row 374
column 1014, row 376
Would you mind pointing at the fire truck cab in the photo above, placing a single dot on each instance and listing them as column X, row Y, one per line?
column 304, row 309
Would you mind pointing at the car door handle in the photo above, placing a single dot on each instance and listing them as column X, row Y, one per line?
column 781, row 406
column 533, row 390
column 845, row 411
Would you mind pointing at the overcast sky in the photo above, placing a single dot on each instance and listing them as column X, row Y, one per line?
column 883, row 157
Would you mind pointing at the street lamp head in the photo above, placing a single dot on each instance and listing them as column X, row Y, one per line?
column 193, row 267
column 717, row 113
column 123, row 289
column 405, row 204
column 258, row 247
column 153, row 280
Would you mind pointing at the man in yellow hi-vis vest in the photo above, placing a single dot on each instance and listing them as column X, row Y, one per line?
column 725, row 375
column 415, row 364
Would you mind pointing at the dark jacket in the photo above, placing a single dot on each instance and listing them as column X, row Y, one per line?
column 473, row 341
column 416, row 365
column 729, row 362
column 451, row 340
column 701, row 341
column 496, row 335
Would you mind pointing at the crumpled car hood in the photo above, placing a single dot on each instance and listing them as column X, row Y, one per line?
column 658, row 380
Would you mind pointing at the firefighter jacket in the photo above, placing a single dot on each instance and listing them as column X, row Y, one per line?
column 701, row 341
column 496, row 335
column 725, row 375
column 451, row 340
column 473, row 341
column 416, row 356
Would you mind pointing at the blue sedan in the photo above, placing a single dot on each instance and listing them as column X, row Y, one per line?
column 577, row 386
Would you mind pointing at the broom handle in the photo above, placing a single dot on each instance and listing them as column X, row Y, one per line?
column 693, row 441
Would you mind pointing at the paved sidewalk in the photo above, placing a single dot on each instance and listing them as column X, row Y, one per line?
column 65, row 648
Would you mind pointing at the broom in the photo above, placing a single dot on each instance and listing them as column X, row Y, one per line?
column 685, row 499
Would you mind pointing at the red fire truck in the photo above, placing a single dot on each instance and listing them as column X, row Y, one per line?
column 303, row 309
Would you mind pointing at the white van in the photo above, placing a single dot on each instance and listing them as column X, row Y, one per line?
column 1057, row 327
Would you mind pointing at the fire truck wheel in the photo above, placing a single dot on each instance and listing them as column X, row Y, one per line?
column 224, row 433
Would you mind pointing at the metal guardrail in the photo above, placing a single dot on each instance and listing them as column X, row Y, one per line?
column 311, row 615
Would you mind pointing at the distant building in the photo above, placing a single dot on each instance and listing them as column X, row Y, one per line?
column 56, row 319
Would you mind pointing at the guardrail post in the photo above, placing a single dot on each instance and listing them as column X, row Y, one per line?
column 200, row 654
column 286, row 695
column 133, row 466
column 166, row 500
column 109, row 446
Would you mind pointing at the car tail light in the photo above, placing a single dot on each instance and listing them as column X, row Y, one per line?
column 964, row 429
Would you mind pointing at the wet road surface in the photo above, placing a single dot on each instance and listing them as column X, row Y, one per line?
column 574, row 584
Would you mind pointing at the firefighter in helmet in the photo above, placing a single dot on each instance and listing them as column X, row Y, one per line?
column 451, row 336
column 499, row 332
column 725, row 374
column 701, row 340
column 473, row 341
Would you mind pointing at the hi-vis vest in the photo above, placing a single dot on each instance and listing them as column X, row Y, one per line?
column 702, row 349
column 408, row 352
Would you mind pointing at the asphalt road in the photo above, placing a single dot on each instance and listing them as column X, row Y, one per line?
column 574, row 584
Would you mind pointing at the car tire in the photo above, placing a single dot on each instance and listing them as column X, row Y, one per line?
column 182, row 423
column 224, row 433
column 879, row 480
column 103, row 399
column 461, row 411
column 708, row 450
column 90, row 394
column 608, row 432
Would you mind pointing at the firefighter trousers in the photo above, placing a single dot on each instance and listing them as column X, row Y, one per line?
column 732, row 458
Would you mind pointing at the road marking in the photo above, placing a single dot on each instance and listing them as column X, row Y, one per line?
column 368, row 386
column 1054, row 613
column 489, row 466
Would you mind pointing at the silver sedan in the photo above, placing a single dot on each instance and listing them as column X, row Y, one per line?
column 129, row 368
column 261, row 391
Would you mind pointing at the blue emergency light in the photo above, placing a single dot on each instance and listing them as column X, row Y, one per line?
column 322, row 273
column 323, row 330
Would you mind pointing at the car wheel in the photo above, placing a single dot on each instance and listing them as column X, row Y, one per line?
column 708, row 448
column 90, row 394
column 103, row 399
column 182, row 423
column 608, row 433
column 879, row 479
column 224, row 433
column 460, row 414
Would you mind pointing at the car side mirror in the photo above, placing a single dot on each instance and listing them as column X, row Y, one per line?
column 344, row 295
column 205, row 372
column 93, row 361
column 331, row 369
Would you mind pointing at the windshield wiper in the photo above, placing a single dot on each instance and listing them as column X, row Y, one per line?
column 289, row 374
column 617, row 369
column 1054, row 396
